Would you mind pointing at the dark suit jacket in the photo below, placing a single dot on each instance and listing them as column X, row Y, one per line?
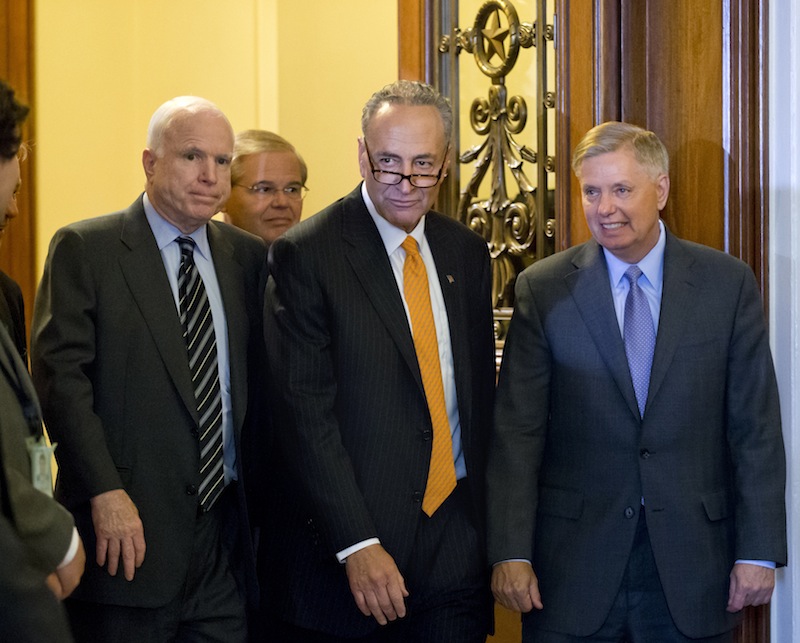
column 109, row 362
column 12, row 314
column 31, row 613
column 43, row 526
column 571, row 460
column 353, row 424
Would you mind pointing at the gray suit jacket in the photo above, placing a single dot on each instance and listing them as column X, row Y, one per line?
column 352, row 420
column 570, row 459
column 109, row 362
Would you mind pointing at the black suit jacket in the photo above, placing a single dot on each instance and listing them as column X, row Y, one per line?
column 109, row 362
column 12, row 314
column 571, row 460
column 352, row 423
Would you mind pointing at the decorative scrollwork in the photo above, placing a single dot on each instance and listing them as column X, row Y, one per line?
column 515, row 218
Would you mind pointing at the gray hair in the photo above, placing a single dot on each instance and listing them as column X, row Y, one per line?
column 409, row 92
column 258, row 141
column 611, row 136
column 162, row 118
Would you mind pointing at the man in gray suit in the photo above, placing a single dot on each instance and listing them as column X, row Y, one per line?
column 363, row 551
column 144, row 326
column 636, row 473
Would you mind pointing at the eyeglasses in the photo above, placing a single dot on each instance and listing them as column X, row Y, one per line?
column 265, row 191
column 394, row 178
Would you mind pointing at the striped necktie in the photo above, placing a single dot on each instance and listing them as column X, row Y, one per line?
column 442, row 472
column 201, row 345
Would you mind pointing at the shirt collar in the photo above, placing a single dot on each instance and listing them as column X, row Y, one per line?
column 652, row 265
column 392, row 236
column 165, row 233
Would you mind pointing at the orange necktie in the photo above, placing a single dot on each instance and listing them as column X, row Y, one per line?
column 442, row 472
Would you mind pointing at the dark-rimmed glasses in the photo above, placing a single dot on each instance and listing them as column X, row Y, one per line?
column 394, row 178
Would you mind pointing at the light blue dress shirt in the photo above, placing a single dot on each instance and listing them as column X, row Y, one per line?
column 165, row 234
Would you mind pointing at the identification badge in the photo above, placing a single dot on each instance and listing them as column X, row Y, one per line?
column 41, row 455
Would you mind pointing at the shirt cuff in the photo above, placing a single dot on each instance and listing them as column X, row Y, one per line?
column 73, row 549
column 513, row 560
column 761, row 563
column 342, row 555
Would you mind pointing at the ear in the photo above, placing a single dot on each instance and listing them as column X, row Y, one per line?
column 362, row 162
column 662, row 190
column 148, row 163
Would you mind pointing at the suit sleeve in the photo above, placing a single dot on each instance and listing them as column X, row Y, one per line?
column 754, row 434
column 301, row 356
column 62, row 362
column 520, row 423
column 30, row 611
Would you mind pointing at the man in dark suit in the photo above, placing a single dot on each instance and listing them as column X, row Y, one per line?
column 636, row 473
column 43, row 556
column 366, row 431
column 143, row 327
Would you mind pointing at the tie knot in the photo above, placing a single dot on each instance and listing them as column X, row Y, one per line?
column 410, row 245
column 187, row 245
column 632, row 274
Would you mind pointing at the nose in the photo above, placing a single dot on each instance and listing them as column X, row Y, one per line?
column 210, row 173
column 605, row 204
column 13, row 209
column 405, row 185
column 280, row 199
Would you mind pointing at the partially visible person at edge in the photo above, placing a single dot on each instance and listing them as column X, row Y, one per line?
column 43, row 556
column 12, row 306
column 637, row 471
column 268, row 184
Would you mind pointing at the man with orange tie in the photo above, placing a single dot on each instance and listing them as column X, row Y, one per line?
column 379, row 328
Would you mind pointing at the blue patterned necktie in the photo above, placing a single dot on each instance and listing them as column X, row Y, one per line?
column 639, row 336
column 201, row 346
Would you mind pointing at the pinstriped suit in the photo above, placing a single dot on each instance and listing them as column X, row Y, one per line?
column 352, row 422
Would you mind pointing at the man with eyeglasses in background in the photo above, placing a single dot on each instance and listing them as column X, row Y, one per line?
column 268, row 183
column 379, row 330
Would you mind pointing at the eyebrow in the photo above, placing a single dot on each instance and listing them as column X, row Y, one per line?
column 392, row 155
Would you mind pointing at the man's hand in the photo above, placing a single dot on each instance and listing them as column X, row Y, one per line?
column 119, row 532
column 377, row 585
column 515, row 586
column 750, row 585
column 65, row 579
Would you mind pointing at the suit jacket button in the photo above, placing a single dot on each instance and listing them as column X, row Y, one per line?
column 195, row 433
column 630, row 512
column 418, row 496
column 644, row 453
column 427, row 434
column 191, row 490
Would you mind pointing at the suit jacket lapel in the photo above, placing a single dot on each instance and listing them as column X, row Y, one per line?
column 143, row 269
column 592, row 294
column 366, row 254
column 231, row 284
column 679, row 291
